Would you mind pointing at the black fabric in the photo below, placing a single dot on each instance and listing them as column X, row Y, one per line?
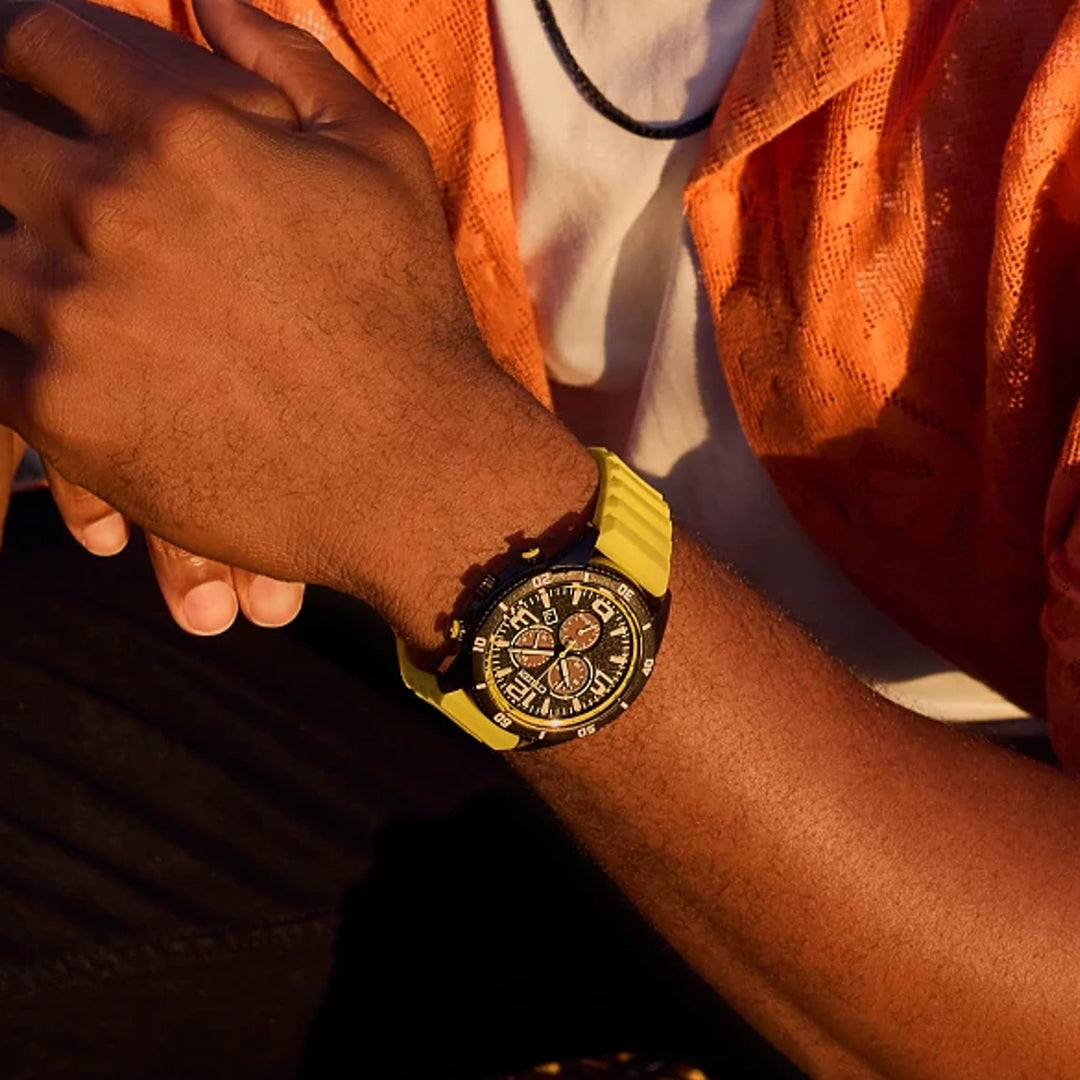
column 258, row 856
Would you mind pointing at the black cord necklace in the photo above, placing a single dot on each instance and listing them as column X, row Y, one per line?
column 591, row 93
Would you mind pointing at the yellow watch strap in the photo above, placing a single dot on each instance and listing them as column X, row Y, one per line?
column 634, row 524
column 457, row 704
column 634, row 527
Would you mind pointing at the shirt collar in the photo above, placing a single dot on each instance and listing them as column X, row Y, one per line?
column 800, row 54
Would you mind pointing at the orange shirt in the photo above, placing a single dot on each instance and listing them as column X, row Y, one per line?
column 887, row 215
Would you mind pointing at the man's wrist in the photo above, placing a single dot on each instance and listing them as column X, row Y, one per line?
column 536, row 488
column 545, row 501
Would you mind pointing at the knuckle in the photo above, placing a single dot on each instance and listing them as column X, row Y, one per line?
column 28, row 26
column 262, row 101
column 401, row 156
column 183, row 127
column 114, row 210
column 298, row 36
column 402, row 144
column 92, row 206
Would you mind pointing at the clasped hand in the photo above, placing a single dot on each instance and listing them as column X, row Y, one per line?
column 228, row 303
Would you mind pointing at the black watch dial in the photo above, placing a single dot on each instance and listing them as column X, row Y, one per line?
column 563, row 653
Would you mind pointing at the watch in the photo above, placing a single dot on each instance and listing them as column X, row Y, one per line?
column 553, row 648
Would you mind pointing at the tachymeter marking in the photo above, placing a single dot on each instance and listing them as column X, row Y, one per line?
column 542, row 636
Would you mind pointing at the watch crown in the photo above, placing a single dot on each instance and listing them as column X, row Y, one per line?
column 533, row 555
column 487, row 583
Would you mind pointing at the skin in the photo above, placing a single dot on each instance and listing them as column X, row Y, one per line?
column 203, row 596
column 881, row 896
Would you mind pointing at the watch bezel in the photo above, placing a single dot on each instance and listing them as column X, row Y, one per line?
column 646, row 621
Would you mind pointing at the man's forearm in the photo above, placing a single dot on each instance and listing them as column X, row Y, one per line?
column 877, row 893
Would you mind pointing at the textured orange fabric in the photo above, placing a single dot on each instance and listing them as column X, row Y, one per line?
column 888, row 220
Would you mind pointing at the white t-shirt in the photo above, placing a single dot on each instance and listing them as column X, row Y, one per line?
column 625, row 321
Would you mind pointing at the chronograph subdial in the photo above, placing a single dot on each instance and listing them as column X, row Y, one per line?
column 569, row 676
column 533, row 647
column 581, row 631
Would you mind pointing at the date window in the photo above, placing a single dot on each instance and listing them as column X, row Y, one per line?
column 551, row 616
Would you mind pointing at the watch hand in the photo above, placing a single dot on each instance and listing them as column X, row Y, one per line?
column 562, row 655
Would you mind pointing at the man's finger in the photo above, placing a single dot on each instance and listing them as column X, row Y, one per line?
column 9, row 462
column 267, row 602
column 34, row 163
column 321, row 90
column 89, row 72
column 199, row 593
column 189, row 63
column 18, row 450
column 92, row 521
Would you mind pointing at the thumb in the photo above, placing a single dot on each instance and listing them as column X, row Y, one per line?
column 321, row 90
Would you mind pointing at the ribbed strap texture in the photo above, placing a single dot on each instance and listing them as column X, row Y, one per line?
column 634, row 524
column 457, row 705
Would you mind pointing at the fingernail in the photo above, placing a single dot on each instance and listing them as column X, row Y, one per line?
column 107, row 536
column 274, row 603
column 210, row 608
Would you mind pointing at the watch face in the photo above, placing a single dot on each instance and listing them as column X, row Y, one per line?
column 563, row 653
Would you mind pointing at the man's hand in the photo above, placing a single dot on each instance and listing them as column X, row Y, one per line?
column 203, row 596
column 233, row 312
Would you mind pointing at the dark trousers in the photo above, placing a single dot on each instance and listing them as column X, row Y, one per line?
column 257, row 856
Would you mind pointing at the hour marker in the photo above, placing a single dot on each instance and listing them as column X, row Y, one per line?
column 575, row 705
column 502, row 606
column 544, row 598
column 620, row 658
column 528, row 699
column 500, row 644
column 619, row 631
column 603, row 679
column 503, row 672
column 575, row 595
column 546, row 707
